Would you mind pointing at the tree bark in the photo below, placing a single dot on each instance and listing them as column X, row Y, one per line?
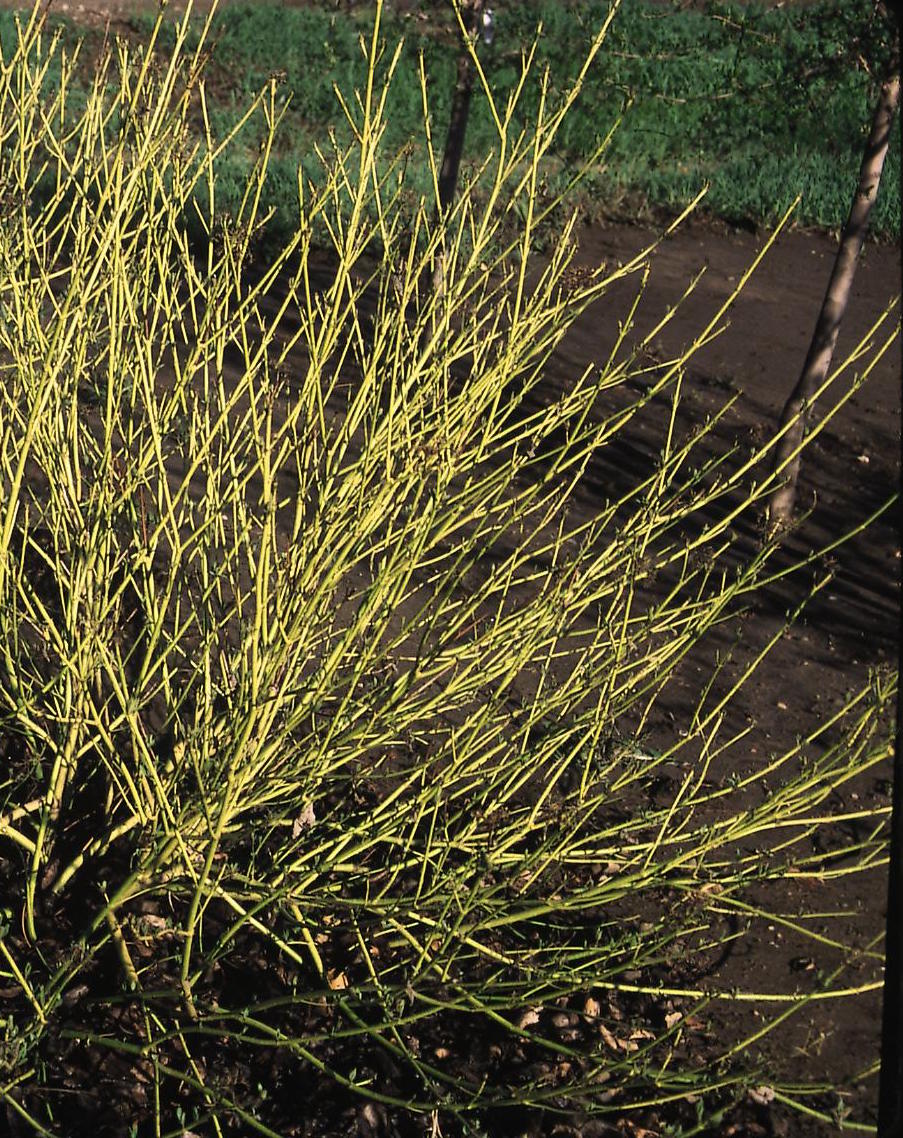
column 460, row 111
column 798, row 408
column 457, row 129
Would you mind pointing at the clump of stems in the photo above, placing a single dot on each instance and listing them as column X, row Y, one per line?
column 306, row 658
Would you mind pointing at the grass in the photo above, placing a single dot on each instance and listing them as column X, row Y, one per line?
column 763, row 106
column 322, row 712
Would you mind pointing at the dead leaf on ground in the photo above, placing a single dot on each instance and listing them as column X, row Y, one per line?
column 528, row 1019
column 632, row 1130
column 304, row 821
column 608, row 1038
column 626, row 1045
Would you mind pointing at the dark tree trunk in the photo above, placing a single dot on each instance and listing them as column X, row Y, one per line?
column 795, row 416
column 460, row 110
column 471, row 11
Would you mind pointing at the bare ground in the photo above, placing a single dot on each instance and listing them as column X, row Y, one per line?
column 851, row 626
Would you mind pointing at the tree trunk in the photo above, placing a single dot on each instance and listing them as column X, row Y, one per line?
column 795, row 416
column 460, row 110
column 457, row 129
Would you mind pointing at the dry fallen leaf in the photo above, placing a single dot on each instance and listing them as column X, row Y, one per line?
column 633, row 1131
column 761, row 1096
column 529, row 1017
column 608, row 1038
column 153, row 921
column 304, row 821
column 627, row 1045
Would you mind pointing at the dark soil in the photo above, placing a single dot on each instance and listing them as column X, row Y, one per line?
column 853, row 623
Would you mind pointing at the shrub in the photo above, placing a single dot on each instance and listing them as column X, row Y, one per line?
column 322, row 711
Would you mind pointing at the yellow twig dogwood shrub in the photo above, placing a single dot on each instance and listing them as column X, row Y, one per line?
column 321, row 705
